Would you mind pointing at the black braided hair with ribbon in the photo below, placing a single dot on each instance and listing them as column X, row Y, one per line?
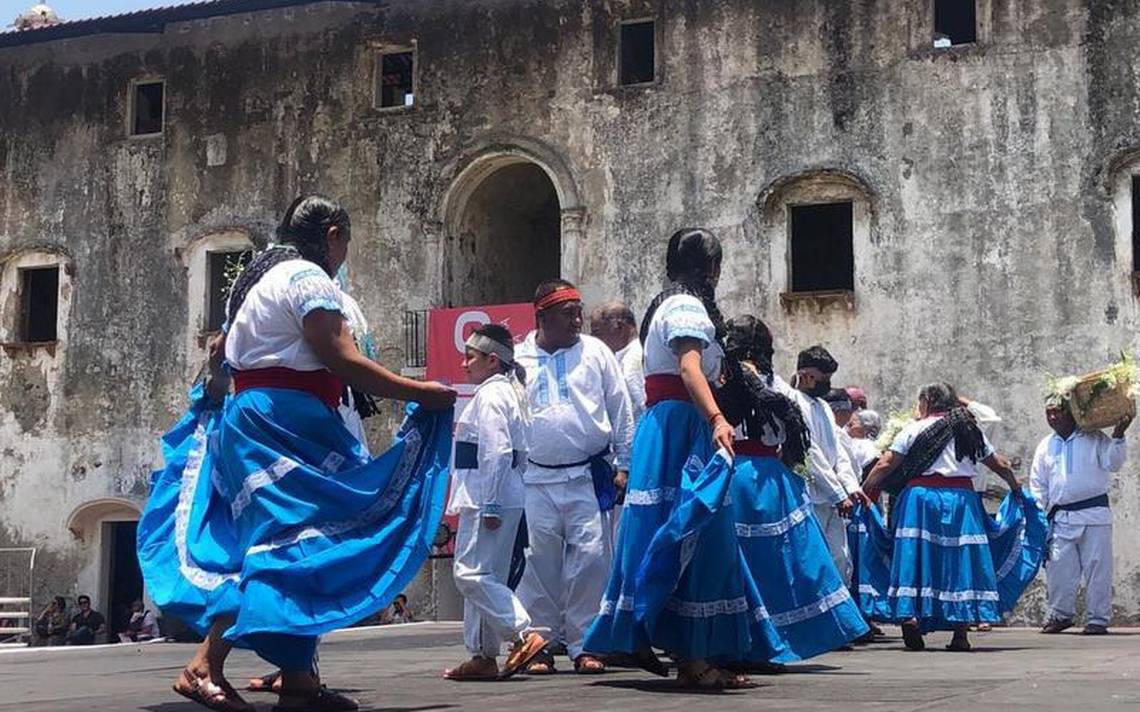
column 692, row 257
column 747, row 396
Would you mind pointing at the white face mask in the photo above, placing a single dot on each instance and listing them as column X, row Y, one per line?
column 342, row 277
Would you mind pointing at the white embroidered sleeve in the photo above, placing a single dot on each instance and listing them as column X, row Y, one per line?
column 310, row 288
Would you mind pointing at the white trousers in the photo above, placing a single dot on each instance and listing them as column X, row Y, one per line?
column 835, row 532
column 1080, row 553
column 492, row 612
column 568, row 562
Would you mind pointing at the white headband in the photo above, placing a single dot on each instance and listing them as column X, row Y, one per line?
column 485, row 344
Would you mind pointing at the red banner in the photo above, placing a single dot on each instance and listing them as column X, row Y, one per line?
column 447, row 331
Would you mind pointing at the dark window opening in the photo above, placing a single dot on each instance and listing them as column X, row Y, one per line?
column 1136, row 223
column 955, row 22
column 823, row 255
column 40, row 289
column 124, row 577
column 148, row 108
column 222, row 269
column 396, row 79
column 637, row 58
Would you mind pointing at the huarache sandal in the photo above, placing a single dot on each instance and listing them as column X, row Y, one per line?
column 321, row 699
column 586, row 664
column 710, row 678
column 210, row 695
column 527, row 649
column 477, row 669
column 265, row 683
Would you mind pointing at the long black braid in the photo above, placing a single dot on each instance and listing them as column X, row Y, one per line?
column 692, row 256
column 747, row 397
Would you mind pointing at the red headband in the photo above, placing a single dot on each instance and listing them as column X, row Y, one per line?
column 558, row 296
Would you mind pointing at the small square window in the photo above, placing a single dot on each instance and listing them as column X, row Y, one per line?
column 823, row 255
column 222, row 268
column 395, row 79
column 955, row 22
column 636, row 48
column 147, row 107
column 39, row 288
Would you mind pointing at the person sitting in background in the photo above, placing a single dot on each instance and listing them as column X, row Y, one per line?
column 142, row 626
column 87, row 625
column 398, row 612
column 52, row 624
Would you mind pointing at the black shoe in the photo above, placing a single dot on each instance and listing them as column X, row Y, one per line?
column 912, row 637
column 1095, row 629
column 1056, row 625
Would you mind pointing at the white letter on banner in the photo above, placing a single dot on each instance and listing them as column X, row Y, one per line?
column 472, row 317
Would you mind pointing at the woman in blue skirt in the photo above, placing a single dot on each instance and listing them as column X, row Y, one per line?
column 677, row 583
column 780, row 539
column 943, row 574
column 270, row 525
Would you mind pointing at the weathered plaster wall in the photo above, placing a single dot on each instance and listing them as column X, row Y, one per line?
column 990, row 251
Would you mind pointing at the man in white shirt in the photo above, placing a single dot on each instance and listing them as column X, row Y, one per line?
column 580, row 414
column 833, row 487
column 1070, row 480
column 615, row 324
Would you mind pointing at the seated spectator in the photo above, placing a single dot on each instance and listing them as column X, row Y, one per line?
column 87, row 626
column 398, row 612
column 51, row 625
column 142, row 625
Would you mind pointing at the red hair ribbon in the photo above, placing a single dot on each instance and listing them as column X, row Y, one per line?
column 558, row 296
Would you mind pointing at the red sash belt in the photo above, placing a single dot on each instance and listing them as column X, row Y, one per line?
column 938, row 481
column 755, row 448
column 663, row 387
column 322, row 384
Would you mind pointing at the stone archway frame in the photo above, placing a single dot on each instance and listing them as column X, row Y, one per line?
column 1115, row 181
column 491, row 154
column 86, row 516
column 823, row 184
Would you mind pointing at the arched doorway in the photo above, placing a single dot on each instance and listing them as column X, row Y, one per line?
column 110, row 526
column 504, row 233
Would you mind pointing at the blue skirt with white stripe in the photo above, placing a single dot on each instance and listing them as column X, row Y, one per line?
column 952, row 564
column 784, row 547
column 318, row 535
column 679, row 580
column 871, row 544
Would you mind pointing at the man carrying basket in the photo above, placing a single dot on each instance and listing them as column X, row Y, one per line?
column 1070, row 480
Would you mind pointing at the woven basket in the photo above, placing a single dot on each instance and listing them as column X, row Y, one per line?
column 1096, row 406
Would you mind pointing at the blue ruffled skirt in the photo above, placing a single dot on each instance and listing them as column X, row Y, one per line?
column 680, row 581
column 787, row 555
column 951, row 563
column 274, row 500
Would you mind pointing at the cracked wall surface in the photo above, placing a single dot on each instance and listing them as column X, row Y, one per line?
column 994, row 248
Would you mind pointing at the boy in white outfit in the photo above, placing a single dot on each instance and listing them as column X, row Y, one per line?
column 487, row 495
column 1070, row 479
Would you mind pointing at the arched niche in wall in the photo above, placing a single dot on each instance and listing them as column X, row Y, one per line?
column 817, row 225
column 35, row 301
column 512, row 218
column 1122, row 186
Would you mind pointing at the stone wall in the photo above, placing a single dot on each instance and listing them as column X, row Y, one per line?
column 992, row 236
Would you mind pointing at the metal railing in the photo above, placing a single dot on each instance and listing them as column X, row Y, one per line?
column 17, row 573
column 415, row 339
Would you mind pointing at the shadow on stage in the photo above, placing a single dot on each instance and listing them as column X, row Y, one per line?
column 185, row 706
